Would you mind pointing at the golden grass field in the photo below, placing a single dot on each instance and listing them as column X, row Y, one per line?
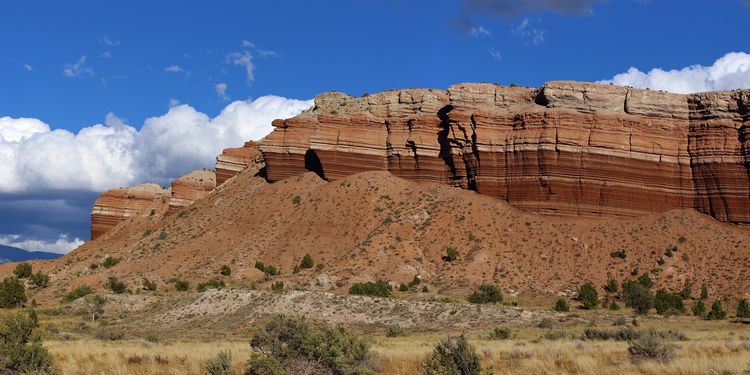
column 710, row 348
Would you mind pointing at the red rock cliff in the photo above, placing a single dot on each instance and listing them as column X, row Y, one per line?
column 191, row 187
column 116, row 205
column 566, row 148
column 232, row 161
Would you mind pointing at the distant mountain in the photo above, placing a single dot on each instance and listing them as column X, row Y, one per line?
column 14, row 254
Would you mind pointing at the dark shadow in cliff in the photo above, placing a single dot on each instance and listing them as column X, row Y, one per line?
column 313, row 164
column 445, row 147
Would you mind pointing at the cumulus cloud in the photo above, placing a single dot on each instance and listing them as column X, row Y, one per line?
column 33, row 157
column 244, row 59
column 731, row 71
column 221, row 90
column 78, row 68
column 61, row 245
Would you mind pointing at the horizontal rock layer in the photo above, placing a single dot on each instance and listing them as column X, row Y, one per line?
column 232, row 161
column 566, row 148
column 191, row 187
column 116, row 205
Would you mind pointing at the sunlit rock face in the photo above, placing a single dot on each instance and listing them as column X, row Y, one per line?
column 117, row 205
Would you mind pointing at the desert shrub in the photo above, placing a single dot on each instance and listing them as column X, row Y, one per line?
column 425, row 289
column 297, row 200
column 403, row 288
column 415, row 281
column 149, row 285
column 743, row 309
column 611, row 286
column 295, row 270
column 20, row 350
column 486, row 293
column 110, row 262
column 588, row 296
column 23, row 270
column 210, row 284
column 687, row 290
column 379, row 288
column 637, row 297
column 260, row 266
column 499, row 333
column 618, row 254
column 181, row 285
column 109, row 334
column 650, row 346
column 76, row 294
column 116, row 285
column 278, row 286
column 267, row 269
column 451, row 254
column 562, row 305
column 291, row 345
column 40, row 279
column 395, row 331
column 225, row 271
column 699, row 309
column 704, row 292
column 555, row 335
column 163, row 235
column 622, row 334
column 717, row 312
column 667, row 303
column 452, row 356
column 221, row 364
column 307, row 262
column 646, row 281
column 12, row 292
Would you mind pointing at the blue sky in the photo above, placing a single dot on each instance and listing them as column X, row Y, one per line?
column 129, row 65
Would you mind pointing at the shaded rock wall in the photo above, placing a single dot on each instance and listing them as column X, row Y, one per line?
column 566, row 148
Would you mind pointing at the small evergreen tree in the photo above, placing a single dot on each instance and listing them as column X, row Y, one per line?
column 116, row 285
column 225, row 270
column 451, row 254
column 717, row 312
column 40, row 279
column 486, row 293
column 668, row 303
column 12, row 292
column 452, row 356
column 562, row 305
column 637, row 297
column 704, row 292
column 23, row 270
column 307, row 262
column 646, row 281
column 743, row 309
column 699, row 309
column 20, row 350
column 588, row 296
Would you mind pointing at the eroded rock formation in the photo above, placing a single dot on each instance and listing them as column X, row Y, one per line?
column 116, row 205
column 191, row 187
column 566, row 148
column 234, row 160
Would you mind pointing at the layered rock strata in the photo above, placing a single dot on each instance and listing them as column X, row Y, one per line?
column 191, row 187
column 232, row 161
column 116, row 205
column 566, row 148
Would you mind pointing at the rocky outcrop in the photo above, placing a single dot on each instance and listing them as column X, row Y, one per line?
column 566, row 148
column 191, row 187
column 232, row 161
column 116, row 205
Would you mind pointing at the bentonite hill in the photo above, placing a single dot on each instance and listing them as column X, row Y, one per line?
column 537, row 190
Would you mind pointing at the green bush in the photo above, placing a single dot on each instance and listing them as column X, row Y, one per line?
column 611, row 286
column 277, row 286
column 623, row 334
column 499, row 333
column 12, row 292
column 486, row 293
column 307, row 262
column 110, row 262
column 646, row 281
column 284, row 345
column 637, row 297
column 210, row 284
column 699, row 309
column 618, row 254
column 40, row 279
column 452, row 356
column 650, row 346
column 181, row 285
column 561, row 305
column 687, row 290
column 451, row 254
column 614, row 306
column 395, row 331
column 221, row 364
column 743, row 309
column 717, row 312
column 704, row 292
column 23, row 270
column 588, row 296
column 379, row 288
column 116, row 285
column 76, row 294
column 295, row 270
column 225, row 271
column 667, row 303
column 403, row 288
column 20, row 350
column 415, row 281
column 149, row 285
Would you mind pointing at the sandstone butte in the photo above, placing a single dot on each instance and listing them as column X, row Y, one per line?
column 191, row 187
column 116, row 205
column 566, row 148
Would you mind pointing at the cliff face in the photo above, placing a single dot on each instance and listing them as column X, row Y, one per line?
column 191, row 187
column 232, row 161
column 116, row 205
column 566, row 148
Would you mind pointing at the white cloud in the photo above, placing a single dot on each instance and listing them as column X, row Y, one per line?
column 61, row 246
column 244, row 59
column 28, row 67
column 109, row 42
column 106, row 55
column 78, row 68
column 35, row 158
column 174, row 69
column 731, row 71
column 495, row 54
column 477, row 31
column 173, row 102
column 221, row 90
column 529, row 33
column 248, row 44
